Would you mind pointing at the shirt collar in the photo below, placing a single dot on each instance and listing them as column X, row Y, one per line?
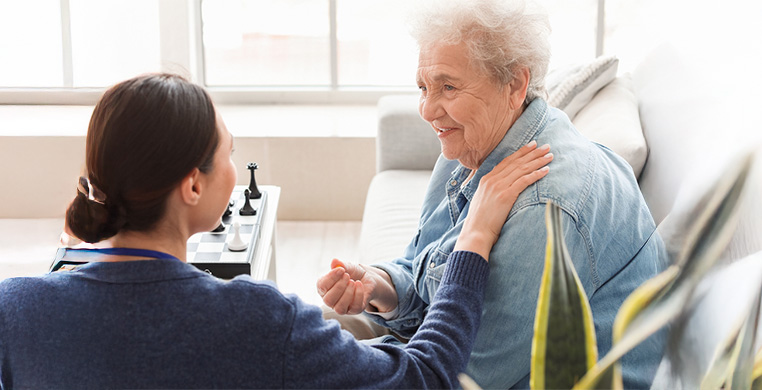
column 138, row 271
column 525, row 129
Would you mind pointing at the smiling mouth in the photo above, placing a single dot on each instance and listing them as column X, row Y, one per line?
column 441, row 130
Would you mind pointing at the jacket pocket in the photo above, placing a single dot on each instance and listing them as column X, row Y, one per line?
column 434, row 269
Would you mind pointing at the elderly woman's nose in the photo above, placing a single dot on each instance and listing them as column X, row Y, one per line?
column 431, row 110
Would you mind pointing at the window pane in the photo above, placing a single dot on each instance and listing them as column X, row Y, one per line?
column 113, row 40
column 266, row 42
column 634, row 27
column 374, row 45
column 573, row 25
column 30, row 44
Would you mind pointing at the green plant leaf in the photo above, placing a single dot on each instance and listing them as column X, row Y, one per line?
column 563, row 352
column 733, row 363
column 644, row 295
column 656, row 303
column 756, row 376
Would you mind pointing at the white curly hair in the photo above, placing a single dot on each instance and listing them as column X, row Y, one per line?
column 500, row 35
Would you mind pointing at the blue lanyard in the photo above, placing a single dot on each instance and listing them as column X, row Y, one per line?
column 126, row 252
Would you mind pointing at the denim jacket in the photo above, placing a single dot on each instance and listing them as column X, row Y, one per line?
column 608, row 230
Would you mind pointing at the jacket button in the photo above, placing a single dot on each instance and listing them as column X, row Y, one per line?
column 432, row 264
column 454, row 183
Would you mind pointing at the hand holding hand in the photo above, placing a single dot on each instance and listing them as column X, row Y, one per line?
column 351, row 288
column 342, row 288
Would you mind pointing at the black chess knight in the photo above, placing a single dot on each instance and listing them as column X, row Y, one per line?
column 255, row 194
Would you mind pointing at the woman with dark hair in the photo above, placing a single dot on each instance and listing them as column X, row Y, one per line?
column 159, row 169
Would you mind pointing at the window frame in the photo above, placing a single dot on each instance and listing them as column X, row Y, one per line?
column 182, row 50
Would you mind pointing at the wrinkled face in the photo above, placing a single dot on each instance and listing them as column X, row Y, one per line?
column 468, row 111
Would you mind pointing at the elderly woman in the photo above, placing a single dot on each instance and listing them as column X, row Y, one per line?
column 481, row 74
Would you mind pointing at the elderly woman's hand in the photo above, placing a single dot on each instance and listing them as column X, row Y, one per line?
column 497, row 192
column 351, row 288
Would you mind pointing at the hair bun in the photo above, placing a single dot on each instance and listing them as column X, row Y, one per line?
column 92, row 221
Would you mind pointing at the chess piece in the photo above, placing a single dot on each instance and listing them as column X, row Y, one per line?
column 237, row 244
column 220, row 228
column 229, row 209
column 255, row 194
column 247, row 209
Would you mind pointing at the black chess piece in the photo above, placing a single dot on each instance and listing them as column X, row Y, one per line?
column 229, row 210
column 247, row 209
column 220, row 228
column 255, row 194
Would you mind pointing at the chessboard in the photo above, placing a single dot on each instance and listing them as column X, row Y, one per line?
column 210, row 251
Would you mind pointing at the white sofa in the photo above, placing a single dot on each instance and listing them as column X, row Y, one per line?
column 690, row 134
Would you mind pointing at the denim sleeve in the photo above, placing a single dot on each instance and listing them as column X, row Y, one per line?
column 502, row 352
column 411, row 308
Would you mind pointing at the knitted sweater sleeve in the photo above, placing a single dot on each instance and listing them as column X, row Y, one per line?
column 320, row 355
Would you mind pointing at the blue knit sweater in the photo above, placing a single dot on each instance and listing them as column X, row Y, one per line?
column 164, row 324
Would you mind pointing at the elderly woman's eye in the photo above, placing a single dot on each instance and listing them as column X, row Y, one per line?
column 449, row 88
column 422, row 88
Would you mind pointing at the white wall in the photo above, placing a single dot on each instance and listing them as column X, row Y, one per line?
column 324, row 173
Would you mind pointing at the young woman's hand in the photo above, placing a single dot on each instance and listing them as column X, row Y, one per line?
column 497, row 192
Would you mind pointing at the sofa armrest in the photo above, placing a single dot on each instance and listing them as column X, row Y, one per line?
column 404, row 140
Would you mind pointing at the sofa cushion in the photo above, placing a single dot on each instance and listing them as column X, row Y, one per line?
column 570, row 89
column 687, row 123
column 404, row 140
column 611, row 119
column 391, row 214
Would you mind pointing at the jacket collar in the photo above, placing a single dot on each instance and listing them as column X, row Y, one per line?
column 525, row 129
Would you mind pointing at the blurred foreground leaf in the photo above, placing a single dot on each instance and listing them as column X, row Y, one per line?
column 563, row 352
column 756, row 376
column 663, row 298
column 733, row 363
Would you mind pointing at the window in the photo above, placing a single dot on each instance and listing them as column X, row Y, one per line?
column 30, row 44
column 266, row 43
column 274, row 51
column 113, row 40
column 76, row 43
column 374, row 47
column 307, row 43
column 573, row 30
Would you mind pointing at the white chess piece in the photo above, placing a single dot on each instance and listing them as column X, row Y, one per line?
column 237, row 244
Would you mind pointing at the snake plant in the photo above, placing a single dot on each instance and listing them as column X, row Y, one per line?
column 561, row 353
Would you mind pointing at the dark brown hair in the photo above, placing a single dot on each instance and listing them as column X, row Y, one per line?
column 145, row 135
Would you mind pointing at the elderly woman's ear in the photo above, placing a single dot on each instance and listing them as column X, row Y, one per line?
column 517, row 89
